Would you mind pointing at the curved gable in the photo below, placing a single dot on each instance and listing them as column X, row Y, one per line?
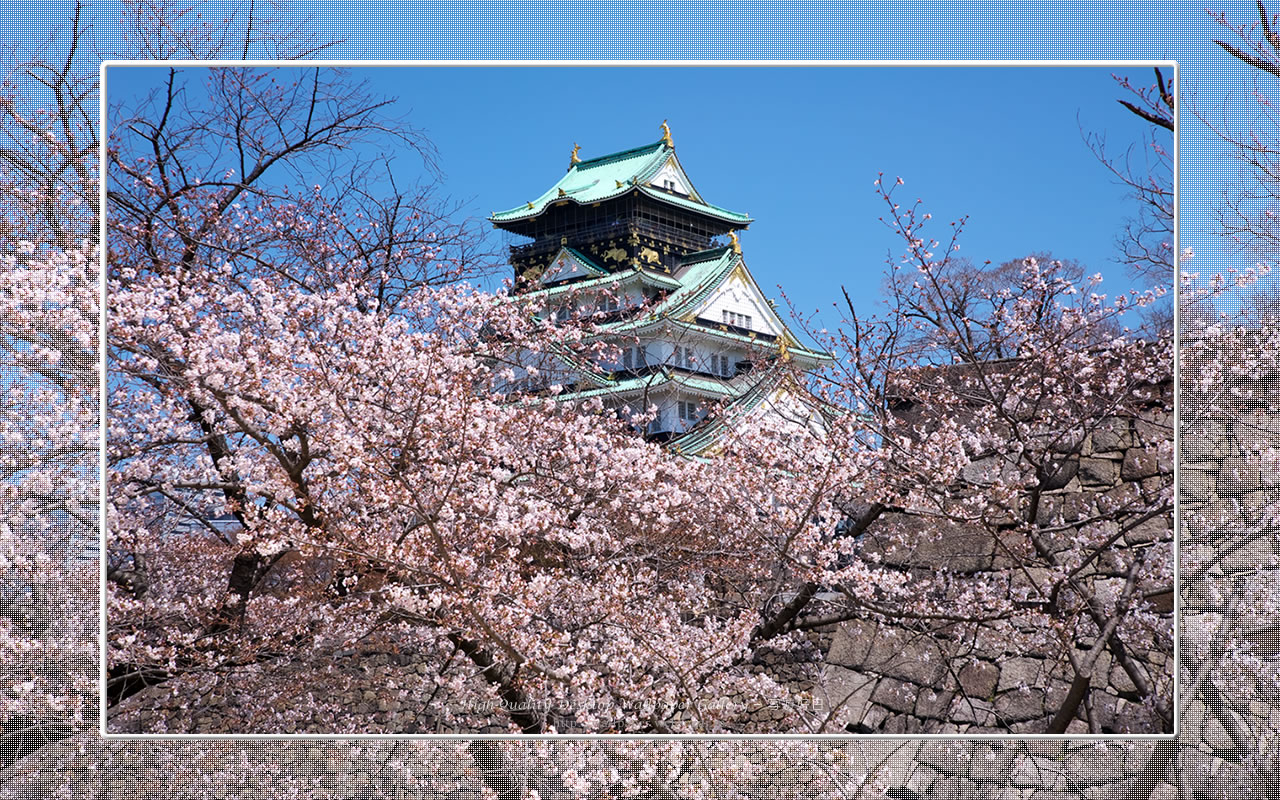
column 568, row 265
column 738, row 302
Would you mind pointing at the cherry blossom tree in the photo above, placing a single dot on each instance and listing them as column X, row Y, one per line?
column 993, row 400
column 49, row 423
column 50, row 295
column 48, row 299
column 1225, row 656
column 270, row 160
column 1229, row 501
column 340, row 407
column 1146, row 244
column 383, row 488
column 428, row 507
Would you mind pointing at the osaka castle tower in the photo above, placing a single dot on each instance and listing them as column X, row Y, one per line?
column 627, row 241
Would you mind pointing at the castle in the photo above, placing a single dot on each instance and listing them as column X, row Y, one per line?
column 626, row 239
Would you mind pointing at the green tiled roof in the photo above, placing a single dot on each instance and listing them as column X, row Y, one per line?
column 794, row 349
column 604, row 281
column 699, row 275
column 659, row 377
column 614, row 175
column 701, row 438
column 583, row 259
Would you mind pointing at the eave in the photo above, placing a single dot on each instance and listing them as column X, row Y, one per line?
column 614, row 176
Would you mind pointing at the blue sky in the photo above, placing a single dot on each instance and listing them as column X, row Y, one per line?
column 713, row 29
column 798, row 148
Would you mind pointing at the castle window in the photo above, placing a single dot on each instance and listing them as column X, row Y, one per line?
column 633, row 357
column 736, row 319
column 687, row 411
column 682, row 357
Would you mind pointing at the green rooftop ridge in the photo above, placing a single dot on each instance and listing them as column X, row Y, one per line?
column 612, row 175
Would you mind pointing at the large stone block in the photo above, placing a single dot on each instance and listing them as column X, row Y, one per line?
column 932, row 704
column 1118, row 497
column 972, row 711
column 1250, row 430
column 986, row 471
column 978, row 679
column 1164, row 791
column 1153, row 428
column 1078, row 505
column 1120, row 680
column 902, row 723
column 869, row 647
column 1049, row 509
column 1139, row 463
column 1238, row 475
column 1098, row 471
column 1095, row 766
column 1053, row 750
column 928, row 543
column 1203, row 440
column 947, row 757
column 1020, row 706
column 1269, row 468
column 1156, row 529
column 992, row 762
column 1111, row 434
column 1198, row 482
column 1062, row 442
column 1018, row 672
column 840, row 687
column 1038, row 772
column 1058, row 474
column 1265, row 640
column 954, row 789
column 1249, row 555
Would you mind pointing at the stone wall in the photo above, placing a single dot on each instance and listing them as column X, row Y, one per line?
column 1226, row 747
column 1229, row 612
column 894, row 678
column 907, row 676
column 1229, row 484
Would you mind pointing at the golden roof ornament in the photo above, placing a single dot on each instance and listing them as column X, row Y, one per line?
column 573, row 157
column 666, row 135
column 733, row 242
